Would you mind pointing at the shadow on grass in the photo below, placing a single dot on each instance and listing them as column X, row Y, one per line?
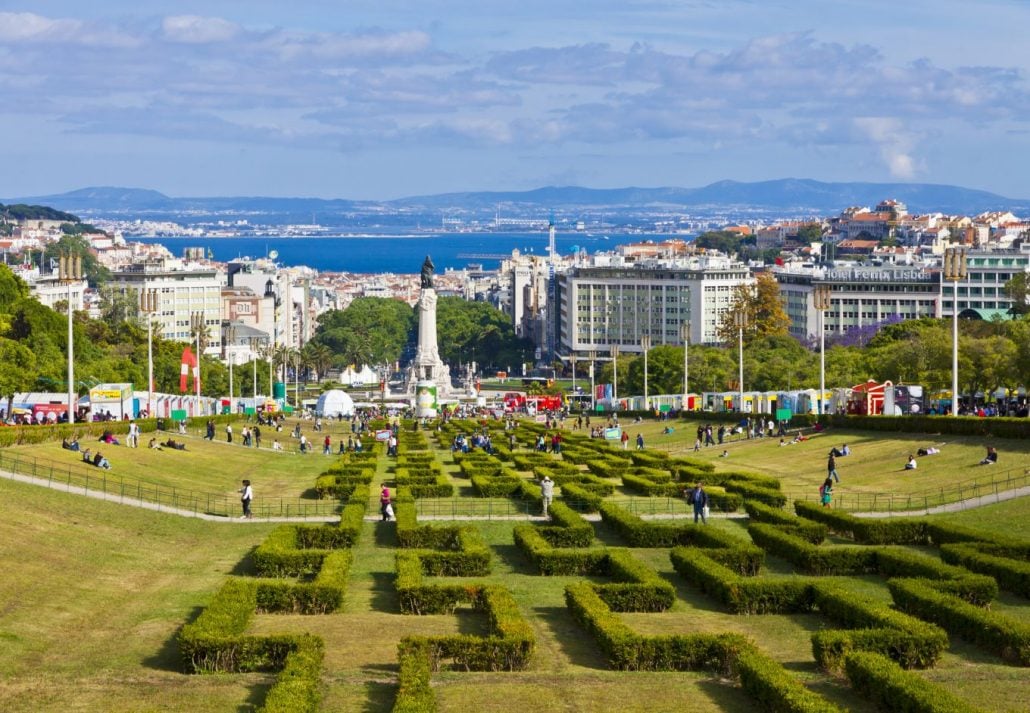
column 607, row 535
column 379, row 697
column 386, row 534
column 384, row 593
column 256, row 695
column 514, row 558
column 246, row 567
column 169, row 657
column 727, row 696
column 577, row 645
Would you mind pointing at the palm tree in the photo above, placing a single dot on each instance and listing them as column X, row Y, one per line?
column 320, row 357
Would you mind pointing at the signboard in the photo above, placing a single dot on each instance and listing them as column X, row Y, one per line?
column 425, row 399
column 179, row 414
column 612, row 434
column 783, row 414
column 110, row 393
column 540, row 418
column 383, row 436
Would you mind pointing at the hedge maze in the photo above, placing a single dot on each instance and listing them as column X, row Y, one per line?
column 887, row 594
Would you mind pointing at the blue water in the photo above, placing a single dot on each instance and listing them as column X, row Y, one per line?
column 398, row 253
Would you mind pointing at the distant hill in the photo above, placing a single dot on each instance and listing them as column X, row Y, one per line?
column 786, row 195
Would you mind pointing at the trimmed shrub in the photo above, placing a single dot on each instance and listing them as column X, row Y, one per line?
column 892, row 688
column 999, row 634
column 627, row 651
column 814, row 532
column 551, row 561
column 1011, row 575
column 589, row 500
column 297, row 688
column 414, row 694
column 810, row 558
column 774, row 689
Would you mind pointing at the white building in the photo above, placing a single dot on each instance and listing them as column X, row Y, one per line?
column 605, row 306
column 181, row 294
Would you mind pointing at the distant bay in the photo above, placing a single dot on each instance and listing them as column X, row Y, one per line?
column 397, row 253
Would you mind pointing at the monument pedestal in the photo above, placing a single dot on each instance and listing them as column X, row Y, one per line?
column 427, row 366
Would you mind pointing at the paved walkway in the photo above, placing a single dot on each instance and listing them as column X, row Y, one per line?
column 181, row 512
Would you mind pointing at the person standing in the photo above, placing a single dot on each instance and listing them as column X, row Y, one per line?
column 546, row 492
column 228, row 433
column 327, row 446
column 133, row 438
column 699, row 499
column 625, row 440
column 256, row 435
column 210, row 430
column 826, row 492
column 831, row 468
column 640, row 441
column 246, row 497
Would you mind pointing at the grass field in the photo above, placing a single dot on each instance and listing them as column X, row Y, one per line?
column 94, row 594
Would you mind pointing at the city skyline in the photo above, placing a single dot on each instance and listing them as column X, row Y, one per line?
column 381, row 100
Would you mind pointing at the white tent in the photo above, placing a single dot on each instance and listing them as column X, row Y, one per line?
column 334, row 403
column 365, row 376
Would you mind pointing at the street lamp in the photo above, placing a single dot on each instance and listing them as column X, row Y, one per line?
column 593, row 393
column 740, row 320
column 821, row 298
column 70, row 272
column 148, row 306
column 615, row 373
column 954, row 270
column 198, row 321
column 645, row 344
column 685, row 336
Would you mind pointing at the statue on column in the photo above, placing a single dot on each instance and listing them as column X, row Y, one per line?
column 427, row 272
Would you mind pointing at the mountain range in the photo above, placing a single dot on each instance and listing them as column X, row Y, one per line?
column 788, row 196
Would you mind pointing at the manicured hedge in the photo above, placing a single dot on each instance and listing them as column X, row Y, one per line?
column 1011, row 575
column 636, row 532
column 997, row 633
column 872, row 626
column 638, row 588
column 280, row 555
column 416, row 597
column 496, row 486
column 414, row 694
column 323, row 595
column 893, row 689
column 588, row 500
column 814, row 532
column 297, row 688
column 550, row 560
column 774, row 689
column 626, row 650
column 743, row 595
column 812, row 559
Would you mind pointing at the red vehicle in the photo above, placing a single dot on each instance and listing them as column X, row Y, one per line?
column 518, row 401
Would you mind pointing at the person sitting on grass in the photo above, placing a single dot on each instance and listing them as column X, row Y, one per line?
column 100, row 462
column 992, row 456
column 154, row 445
column 171, row 443
column 87, row 456
column 911, row 465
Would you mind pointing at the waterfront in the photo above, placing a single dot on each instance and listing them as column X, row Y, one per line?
column 396, row 253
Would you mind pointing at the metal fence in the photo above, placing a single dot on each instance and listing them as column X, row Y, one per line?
column 90, row 480
column 989, row 487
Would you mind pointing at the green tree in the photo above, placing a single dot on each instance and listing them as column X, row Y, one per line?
column 1018, row 290
column 372, row 330
column 95, row 273
column 763, row 309
column 17, row 370
column 810, row 233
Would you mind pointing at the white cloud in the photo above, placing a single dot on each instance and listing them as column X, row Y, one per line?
column 895, row 144
column 193, row 29
column 29, row 27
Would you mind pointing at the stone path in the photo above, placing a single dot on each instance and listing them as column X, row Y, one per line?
column 181, row 512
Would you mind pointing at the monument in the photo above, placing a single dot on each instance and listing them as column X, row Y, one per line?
column 428, row 377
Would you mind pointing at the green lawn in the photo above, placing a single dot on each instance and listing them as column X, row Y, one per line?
column 94, row 594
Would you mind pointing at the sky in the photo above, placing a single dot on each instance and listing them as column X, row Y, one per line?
column 380, row 99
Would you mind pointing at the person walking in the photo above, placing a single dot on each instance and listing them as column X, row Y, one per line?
column 385, row 508
column 831, row 468
column 246, row 497
column 546, row 492
column 699, row 499
column 625, row 440
column 826, row 492
column 640, row 441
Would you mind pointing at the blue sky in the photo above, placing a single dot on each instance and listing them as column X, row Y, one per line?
column 382, row 99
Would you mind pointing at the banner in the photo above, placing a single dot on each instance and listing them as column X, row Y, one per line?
column 383, row 436
column 612, row 434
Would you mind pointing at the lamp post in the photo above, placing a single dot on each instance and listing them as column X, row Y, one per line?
column 954, row 270
column 645, row 344
column 148, row 305
column 615, row 373
column 821, row 298
column 685, row 335
column 593, row 393
column 740, row 320
column 70, row 272
column 198, row 321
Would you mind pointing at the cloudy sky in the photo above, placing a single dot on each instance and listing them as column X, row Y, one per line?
column 382, row 98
